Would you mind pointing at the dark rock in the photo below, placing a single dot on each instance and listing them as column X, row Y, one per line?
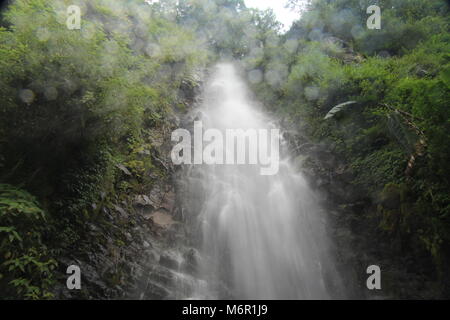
column 123, row 169
column 391, row 201
column 121, row 211
column 170, row 261
column 163, row 277
column 143, row 200
column 156, row 292
column 128, row 236
column 146, row 244
column 168, row 201
column 191, row 261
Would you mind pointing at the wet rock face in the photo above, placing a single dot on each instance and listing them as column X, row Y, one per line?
column 139, row 247
column 359, row 221
column 111, row 257
column 170, row 261
column 170, row 274
column 141, row 253
column 161, row 219
column 191, row 262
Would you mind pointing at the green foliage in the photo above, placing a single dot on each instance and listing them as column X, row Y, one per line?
column 400, row 84
column 82, row 111
column 337, row 109
column 74, row 104
column 26, row 271
column 69, row 90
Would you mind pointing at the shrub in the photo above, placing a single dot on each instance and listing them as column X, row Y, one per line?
column 26, row 269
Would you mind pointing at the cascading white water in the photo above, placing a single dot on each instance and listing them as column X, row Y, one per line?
column 263, row 235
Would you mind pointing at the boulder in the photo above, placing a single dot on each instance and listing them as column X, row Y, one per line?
column 160, row 218
column 168, row 201
column 170, row 261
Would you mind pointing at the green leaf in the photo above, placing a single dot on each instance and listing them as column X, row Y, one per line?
column 445, row 75
column 338, row 108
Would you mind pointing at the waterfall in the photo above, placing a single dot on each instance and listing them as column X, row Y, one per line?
column 261, row 236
